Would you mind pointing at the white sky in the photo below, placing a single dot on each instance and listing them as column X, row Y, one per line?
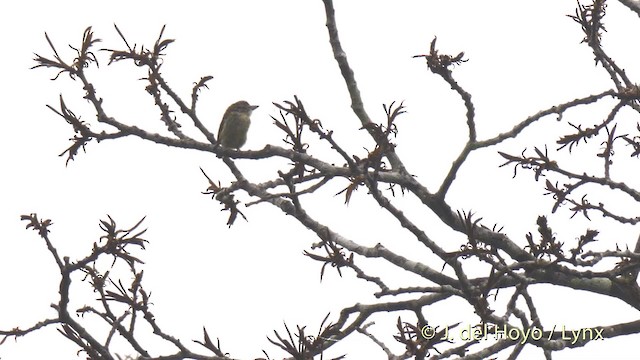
column 245, row 281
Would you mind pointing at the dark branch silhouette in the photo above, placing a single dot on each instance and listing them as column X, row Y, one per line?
column 547, row 257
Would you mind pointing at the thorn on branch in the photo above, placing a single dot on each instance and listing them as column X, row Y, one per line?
column 84, row 56
column 306, row 346
column 335, row 257
column 547, row 245
column 207, row 343
column 538, row 164
column 117, row 240
column 42, row 227
column 225, row 197
column 381, row 134
column 197, row 87
column 587, row 238
column 301, row 120
column 590, row 19
column 355, row 182
column 472, row 247
column 439, row 64
column 419, row 342
column 143, row 57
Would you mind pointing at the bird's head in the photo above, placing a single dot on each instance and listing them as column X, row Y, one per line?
column 242, row 107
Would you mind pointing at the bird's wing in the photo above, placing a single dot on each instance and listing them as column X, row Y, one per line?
column 226, row 115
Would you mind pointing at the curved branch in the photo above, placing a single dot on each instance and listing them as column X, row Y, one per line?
column 633, row 5
column 350, row 80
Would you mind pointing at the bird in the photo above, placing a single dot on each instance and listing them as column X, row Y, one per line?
column 235, row 124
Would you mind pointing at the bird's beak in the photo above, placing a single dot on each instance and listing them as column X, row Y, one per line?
column 253, row 107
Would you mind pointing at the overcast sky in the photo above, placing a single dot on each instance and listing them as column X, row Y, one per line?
column 245, row 281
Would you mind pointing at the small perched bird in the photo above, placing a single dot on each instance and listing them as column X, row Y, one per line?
column 235, row 125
